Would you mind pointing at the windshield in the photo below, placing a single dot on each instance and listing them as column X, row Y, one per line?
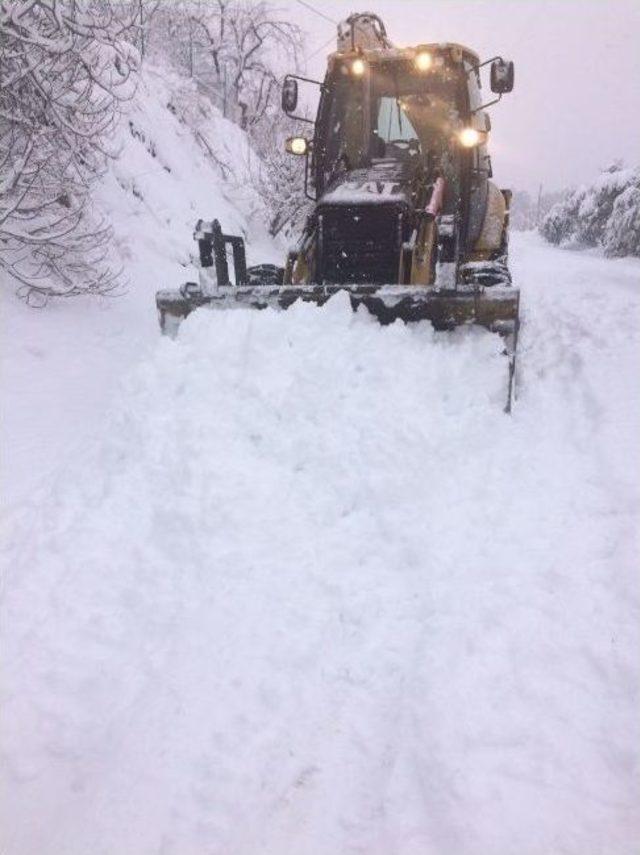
column 395, row 112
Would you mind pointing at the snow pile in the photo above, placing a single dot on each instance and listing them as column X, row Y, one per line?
column 313, row 592
column 604, row 213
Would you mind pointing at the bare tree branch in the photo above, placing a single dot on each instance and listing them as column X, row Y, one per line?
column 64, row 71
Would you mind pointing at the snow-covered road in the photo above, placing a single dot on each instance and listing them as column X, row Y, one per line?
column 313, row 592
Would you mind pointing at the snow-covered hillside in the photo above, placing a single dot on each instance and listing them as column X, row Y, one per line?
column 310, row 591
column 179, row 161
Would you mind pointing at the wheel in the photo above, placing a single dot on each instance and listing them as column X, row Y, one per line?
column 265, row 274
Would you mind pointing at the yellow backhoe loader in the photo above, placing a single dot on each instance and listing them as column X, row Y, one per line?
column 406, row 217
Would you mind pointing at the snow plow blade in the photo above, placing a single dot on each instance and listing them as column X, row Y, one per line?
column 495, row 307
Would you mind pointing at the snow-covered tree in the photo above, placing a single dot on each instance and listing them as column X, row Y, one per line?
column 279, row 177
column 65, row 65
column 237, row 52
column 604, row 213
column 622, row 232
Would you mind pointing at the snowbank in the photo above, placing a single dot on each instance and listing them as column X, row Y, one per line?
column 61, row 365
column 313, row 592
column 180, row 160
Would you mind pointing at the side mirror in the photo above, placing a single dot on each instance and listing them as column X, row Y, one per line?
column 296, row 145
column 289, row 95
column 501, row 76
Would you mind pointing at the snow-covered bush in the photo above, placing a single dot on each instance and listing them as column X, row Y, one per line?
column 64, row 68
column 559, row 224
column 604, row 213
column 622, row 232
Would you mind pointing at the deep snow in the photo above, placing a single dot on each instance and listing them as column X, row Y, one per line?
column 60, row 367
column 294, row 583
column 308, row 590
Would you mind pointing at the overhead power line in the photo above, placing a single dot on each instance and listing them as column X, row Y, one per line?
column 324, row 17
column 316, row 11
column 322, row 47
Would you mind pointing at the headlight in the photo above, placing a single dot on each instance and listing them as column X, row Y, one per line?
column 358, row 67
column 423, row 60
column 470, row 137
column 296, row 145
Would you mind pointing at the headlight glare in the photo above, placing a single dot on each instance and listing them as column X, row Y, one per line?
column 469, row 137
column 423, row 60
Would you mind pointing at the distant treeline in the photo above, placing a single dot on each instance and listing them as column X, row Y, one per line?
column 528, row 210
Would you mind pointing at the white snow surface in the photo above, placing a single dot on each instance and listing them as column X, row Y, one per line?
column 304, row 588
column 61, row 366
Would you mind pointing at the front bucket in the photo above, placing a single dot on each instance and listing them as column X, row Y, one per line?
column 495, row 307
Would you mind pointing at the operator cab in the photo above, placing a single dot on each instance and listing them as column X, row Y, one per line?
column 386, row 106
column 394, row 124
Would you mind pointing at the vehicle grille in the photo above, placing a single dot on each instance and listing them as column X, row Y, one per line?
column 360, row 243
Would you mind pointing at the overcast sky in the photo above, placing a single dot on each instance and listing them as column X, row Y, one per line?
column 576, row 102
